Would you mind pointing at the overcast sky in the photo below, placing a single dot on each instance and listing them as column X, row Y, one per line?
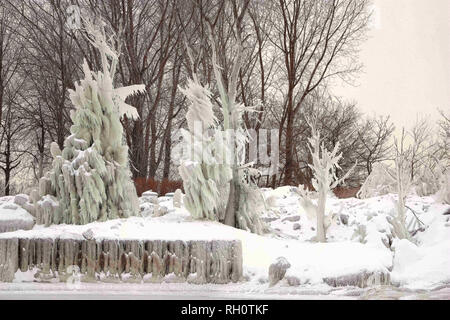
column 406, row 61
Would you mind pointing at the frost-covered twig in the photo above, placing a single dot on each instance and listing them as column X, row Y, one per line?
column 415, row 214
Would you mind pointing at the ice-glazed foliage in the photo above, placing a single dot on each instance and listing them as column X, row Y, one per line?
column 212, row 156
column 244, row 198
column 377, row 183
column 200, row 106
column 252, row 202
column 443, row 194
column 90, row 180
column 404, row 183
column 427, row 180
column 205, row 176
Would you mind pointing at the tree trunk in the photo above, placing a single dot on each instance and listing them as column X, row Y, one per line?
column 41, row 146
column 321, row 237
column 170, row 116
column 230, row 217
column 7, row 181
column 7, row 167
column 289, row 164
column 41, row 165
column 137, row 150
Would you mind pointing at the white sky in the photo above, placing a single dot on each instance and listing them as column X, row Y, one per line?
column 406, row 61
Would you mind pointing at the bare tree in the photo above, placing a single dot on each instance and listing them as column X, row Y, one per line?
column 11, row 136
column 11, row 123
column 34, row 113
column 318, row 40
column 374, row 134
column 422, row 146
column 51, row 59
column 11, row 56
column 324, row 167
column 361, row 140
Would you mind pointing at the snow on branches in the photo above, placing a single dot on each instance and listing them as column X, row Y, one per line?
column 209, row 158
column 377, row 183
column 325, row 165
column 217, row 181
column 104, row 80
column 404, row 182
column 200, row 107
column 220, row 188
column 443, row 194
column 205, row 176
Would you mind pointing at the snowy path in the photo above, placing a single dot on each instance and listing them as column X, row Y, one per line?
column 90, row 291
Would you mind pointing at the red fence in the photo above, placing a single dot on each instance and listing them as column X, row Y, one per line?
column 161, row 187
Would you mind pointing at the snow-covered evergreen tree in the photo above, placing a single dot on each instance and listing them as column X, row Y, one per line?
column 324, row 167
column 90, row 180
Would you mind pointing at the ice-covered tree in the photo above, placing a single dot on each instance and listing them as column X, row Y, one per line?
column 225, row 192
column 443, row 195
column 377, row 183
column 243, row 207
column 427, row 179
column 212, row 154
column 90, row 180
column 325, row 165
column 444, row 134
column 404, row 183
column 205, row 176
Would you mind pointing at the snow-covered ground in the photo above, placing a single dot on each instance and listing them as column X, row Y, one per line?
column 11, row 211
column 13, row 216
column 182, row 291
column 359, row 240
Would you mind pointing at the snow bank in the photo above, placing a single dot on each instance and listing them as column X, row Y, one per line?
column 427, row 264
column 312, row 263
column 360, row 242
column 360, row 251
column 13, row 217
column 135, row 228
